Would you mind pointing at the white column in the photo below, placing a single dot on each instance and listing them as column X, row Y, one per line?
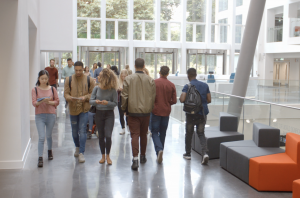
column 130, row 35
column 183, row 41
column 231, row 40
column 157, row 22
column 103, row 21
column 74, row 52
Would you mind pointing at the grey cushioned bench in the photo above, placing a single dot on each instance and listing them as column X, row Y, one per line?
column 226, row 132
column 235, row 156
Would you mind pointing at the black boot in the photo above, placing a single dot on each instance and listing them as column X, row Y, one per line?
column 50, row 155
column 135, row 164
column 40, row 162
column 143, row 159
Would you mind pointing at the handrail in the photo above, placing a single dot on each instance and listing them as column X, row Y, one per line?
column 270, row 103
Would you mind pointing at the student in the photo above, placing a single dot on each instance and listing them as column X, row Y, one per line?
column 108, row 66
column 165, row 97
column 53, row 74
column 86, row 71
column 146, row 71
column 77, row 93
column 97, row 71
column 115, row 69
column 105, row 98
column 138, row 98
column 198, row 120
column 123, row 75
column 68, row 70
column 128, row 69
column 92, row 71
column 45, row 114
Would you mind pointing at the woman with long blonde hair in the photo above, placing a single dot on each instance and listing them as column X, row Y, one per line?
column 123, row 75
column 128, row 70
column 105, row 98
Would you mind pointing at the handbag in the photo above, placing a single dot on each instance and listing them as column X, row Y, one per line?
column 93, row 108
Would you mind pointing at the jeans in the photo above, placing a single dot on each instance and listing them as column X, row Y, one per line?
column 91, row 120
column 44, row 124
column 150, row 122
column 105, row 120
column 159, row 125
column 191, row 121
column 78, row 124
column 121, row 113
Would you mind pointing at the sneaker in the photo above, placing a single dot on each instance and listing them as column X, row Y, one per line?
column 50, row 155
column 205, row 159
column 160, row 157
column 122, row 132
column 40, row 162
column 187, row 156
column 143, row 159
column 135, row 164
column 81, row 158
column 76, row 154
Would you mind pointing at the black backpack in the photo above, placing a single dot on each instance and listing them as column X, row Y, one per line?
column 193, row 101
column 88, row 81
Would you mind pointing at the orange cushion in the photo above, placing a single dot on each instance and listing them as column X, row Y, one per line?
column 293, row 146
column 273, row 172
column 296, row 189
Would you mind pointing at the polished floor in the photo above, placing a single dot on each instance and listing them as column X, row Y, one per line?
column 64, row 177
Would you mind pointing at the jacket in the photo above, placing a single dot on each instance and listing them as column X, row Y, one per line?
column 138, row 95
column 79, row 88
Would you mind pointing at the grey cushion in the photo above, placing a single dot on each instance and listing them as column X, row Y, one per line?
column 238, row 159
column 214, row 139
column 266, row 136
column 228, row 122
column 225, row 145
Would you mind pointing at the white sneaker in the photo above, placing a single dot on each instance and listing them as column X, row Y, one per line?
column 123, row 132
column 160, row 157
column 205, row 159
column 76, row 154
column 81, row 158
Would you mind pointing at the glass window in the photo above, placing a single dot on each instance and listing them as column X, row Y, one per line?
column 123, row 30
column 88, row 8
column 137, row 31
column 110, row 30
column 95, row 29
column 200, row 33
column 149, row 31
column 144, row 10
column 189, row 32
column 171, row 10
column 196, row 10
column 239, row 3
column 117, row 9
column 223, row 30
column 163, row 31
column 81, row 28
column 223, row 5
column 238, row 29
column 213, row 20
column 175, row 31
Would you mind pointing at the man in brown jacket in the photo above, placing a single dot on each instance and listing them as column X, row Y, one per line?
column 138, row 97
column 78, row 91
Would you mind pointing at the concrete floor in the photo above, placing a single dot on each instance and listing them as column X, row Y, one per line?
column 64, row 177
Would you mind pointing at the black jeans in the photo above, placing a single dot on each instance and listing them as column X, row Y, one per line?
column 121, row 113
column 105, row 120
column 191, row 121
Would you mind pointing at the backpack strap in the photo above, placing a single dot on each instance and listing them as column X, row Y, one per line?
column 70, row 80
column 52, row 92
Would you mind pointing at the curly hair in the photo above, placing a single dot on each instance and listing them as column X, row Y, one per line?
column 108, row 79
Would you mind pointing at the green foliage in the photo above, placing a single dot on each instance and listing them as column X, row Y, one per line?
column 167, row 9
column 90, row 9
column 143, row 9
column 117, row 9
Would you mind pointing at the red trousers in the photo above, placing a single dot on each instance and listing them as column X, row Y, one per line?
column 138, row 127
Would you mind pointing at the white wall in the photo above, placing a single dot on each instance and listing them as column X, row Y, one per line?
column 56, row 25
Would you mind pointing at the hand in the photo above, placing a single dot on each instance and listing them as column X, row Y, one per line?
column 120, row 89
column 82, row 98
column 104, row 102
column 51, row 103
column 98, row 102
column 46, row 100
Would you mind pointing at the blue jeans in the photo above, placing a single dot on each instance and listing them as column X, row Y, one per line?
column 159, row 126
column 91, row 120
column 78, row 124
column 44, row 124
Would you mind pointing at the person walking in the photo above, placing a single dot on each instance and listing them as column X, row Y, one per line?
column 45, row 100
column 86, row 71
column 128, row 69
column 115, row 69
column 138, row 98
column 78, row 90
column 105, row 99
column 165, row 97
column 92, row 71
column 68, row 70
column 197, row 119
column 123, row 75
column 108, row 66
column 97, row 71
column 53, row 74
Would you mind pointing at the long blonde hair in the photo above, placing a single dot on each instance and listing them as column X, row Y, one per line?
column 124, row 71
column 107, row 79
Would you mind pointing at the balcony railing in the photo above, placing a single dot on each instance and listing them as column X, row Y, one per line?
column 295, row 27
column 275, row 34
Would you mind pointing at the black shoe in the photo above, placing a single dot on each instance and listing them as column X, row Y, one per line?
column 143, row 159
column 40, row 162
column 187, row 156
column 50, row 155
column 135, row 164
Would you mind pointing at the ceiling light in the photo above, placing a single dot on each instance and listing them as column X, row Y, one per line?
column 248, row 121
column 275, row 120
